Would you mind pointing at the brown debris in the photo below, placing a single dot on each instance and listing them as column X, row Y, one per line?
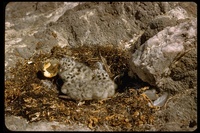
column 26, row 96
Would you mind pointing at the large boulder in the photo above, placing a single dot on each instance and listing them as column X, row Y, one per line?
column 168, row 60
column 106, row 23
column 165, row 56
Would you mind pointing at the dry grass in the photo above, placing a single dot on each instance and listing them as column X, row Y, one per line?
column 26, row 96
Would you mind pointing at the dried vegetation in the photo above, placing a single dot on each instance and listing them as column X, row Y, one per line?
column 128, row 110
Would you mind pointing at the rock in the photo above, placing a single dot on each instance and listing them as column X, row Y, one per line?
column 105, row 23
column 168, row 58
column 154, row 27
column 180, row 114
column 26, row 32
column 45, row 25
column 171, row 18
column 14, row 123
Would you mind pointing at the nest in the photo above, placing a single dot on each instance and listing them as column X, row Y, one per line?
column 27, row 96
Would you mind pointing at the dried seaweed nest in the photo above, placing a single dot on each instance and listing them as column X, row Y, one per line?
column 27, row 96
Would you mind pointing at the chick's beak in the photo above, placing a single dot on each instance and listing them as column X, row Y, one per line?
column 50, row 69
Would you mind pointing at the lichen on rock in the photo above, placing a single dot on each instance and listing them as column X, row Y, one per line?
column 154, row 61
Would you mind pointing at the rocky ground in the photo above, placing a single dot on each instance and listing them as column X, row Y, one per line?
column 120, row 33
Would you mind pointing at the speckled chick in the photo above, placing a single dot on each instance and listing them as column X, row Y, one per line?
column 82, row 83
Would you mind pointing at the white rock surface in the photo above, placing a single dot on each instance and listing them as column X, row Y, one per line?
column 15, row 123
column 153, row 60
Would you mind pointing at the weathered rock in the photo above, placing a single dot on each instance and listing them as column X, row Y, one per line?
column 180, row 114
column 169, row 58
column 106, row 23
column 15, row 123
column 39, row 26
column 26, row 32
column 171, row 18
column 154, row 27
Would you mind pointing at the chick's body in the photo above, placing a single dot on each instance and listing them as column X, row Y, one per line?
column 83, row 83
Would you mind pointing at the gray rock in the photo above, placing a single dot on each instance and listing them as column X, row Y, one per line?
column 168, row 60
column 170, row 18
column 105, row 23
column 14, row 123
column 26, row 32
column 180, row 113
column 157, row 60
column 154, row 27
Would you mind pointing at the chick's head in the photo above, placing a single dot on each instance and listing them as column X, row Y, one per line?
column 50, row 68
